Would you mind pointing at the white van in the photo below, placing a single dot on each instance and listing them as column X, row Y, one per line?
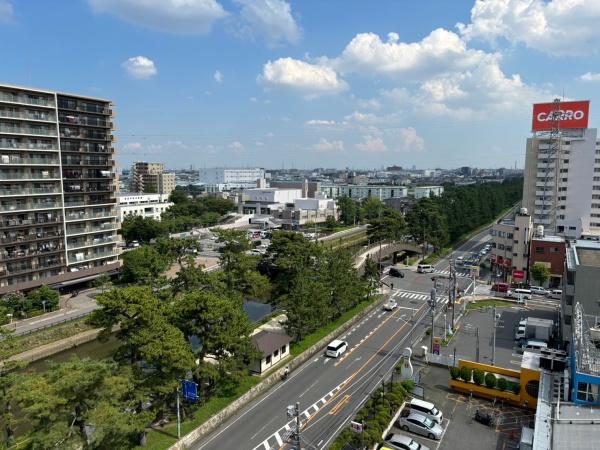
column 525, row 294
column 425, row 268
column 336, row 348
column 426, row 409
column 532, row 344
column 555, row 293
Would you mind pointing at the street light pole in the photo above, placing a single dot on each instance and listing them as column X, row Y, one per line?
column 477, row 348
column 494, row 337
column 432, row 305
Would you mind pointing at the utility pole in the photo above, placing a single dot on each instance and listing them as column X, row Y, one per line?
column 451, row 291
column 494, row 337
column 293, row 412
column 477, row 348
column 432, row 305
column 178, row 416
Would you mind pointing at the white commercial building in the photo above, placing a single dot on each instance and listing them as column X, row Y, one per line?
column 145, row 205
column 428, row 191
column 222, row 179
column 359, row 192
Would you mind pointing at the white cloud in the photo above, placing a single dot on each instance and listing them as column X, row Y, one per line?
column 326, row 146
column 236, row 147
column 560, row 27
column 440, row 51
column 311, row 80
column 320, row 123
column 259, row 143
column 218, row 76
column 132, row 146
column 6, row 11
column 173, row 16
column 271, row 20
column 589, row 76
column 139, row 67
column 408, row 140
column 372, row 144
column 253, row 99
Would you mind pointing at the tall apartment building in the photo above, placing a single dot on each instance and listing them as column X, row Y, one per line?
column 58, row 218
column 151, row 177
column 562, row 183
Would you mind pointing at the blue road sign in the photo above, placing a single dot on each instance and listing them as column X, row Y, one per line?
column 189, row 390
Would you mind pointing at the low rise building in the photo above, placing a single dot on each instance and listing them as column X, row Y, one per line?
column 510, row 247
column 550, row 251
column 145, row 205
column 219, row 179
column 428, row 191
column 359, row 192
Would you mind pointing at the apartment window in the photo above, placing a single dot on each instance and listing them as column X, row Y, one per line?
column 564, row 171
column 509, row 248
column 500, row 246
column 572, row 228
column 276, row 353
column 283, row 350
column 268, row 360
column 569, row 299
column 567, row 319
column 596, row 169
column 539, row 250
column 565, row 161
column 562, row 189
column 516, row 228
column 564, row 180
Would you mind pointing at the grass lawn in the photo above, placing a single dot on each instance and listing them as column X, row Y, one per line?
column 489, row 303
column 20, row 344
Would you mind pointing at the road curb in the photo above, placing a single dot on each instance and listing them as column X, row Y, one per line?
column 216, row 420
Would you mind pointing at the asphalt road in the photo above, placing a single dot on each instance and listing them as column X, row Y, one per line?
column 330, row 391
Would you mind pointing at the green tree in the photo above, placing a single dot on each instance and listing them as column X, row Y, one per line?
column 41, row 296
column 372, row 208
column 307, row 305
column 103, row 282
column 540, row 273
column 193, row 277
column 345, row 287
column 427, row 224
column 372, row 274
column 349, row 211
column 69, row 400
column 390, row 227
column 178, row 249
column 9, row 376
column 142, row 229
column 178, row 196
column 331, row 223
column 144, row 265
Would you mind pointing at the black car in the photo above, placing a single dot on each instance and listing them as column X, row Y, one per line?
column 396, row 273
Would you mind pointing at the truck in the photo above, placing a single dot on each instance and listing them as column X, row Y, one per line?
column 538, row 329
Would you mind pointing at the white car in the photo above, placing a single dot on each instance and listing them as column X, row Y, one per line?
column 336, row 348
column 538, row 290
column 520, row 334
column 419, row 424
column 402, row 442
column 390, row 305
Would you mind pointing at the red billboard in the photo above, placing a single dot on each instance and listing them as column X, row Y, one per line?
column 518, row 274
column 572, row 115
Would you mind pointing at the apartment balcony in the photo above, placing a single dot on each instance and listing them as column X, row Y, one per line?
column 26, row 223
column 75, row 217
column 27, row 115
column 86, row 162
column 29, row 207
column 548, row 202
column 86, row 121
column 99, row 175
column 10, row 160
column 21, row 269
column 28, row 253
column 38, row 131
column 83, row 134
column 29, row 177
column 27, row 100
column 30, row 191
column 73, row 105
column 80, row 258
column 74, row 189
column 91, row 243
column 23, row 238
column 13, row 145
column 91, row 229
column 85, row 147
column 75, row 203
column 543, row 184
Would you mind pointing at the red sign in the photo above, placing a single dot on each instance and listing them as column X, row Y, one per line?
column 507, row 262
column 572, row 115
column 518, row 274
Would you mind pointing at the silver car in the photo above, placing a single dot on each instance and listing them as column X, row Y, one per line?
column 402, row 442
column 420, row 424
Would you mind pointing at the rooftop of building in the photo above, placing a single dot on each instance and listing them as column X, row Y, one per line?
column 45, row 91
column 575, row 427
column 554, row 239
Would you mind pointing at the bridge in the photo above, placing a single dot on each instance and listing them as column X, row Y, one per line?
column 383, row 250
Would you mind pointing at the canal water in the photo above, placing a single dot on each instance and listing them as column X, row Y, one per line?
column 101, row 350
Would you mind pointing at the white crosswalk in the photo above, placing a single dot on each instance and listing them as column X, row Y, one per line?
column 459, row 273
column 407, row 295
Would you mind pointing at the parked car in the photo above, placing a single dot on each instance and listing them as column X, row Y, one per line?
column 555, row 294
column 336, row 348
column 390, row 305
column 427, row 409
column 396, row 273
column 419, row 424
column 538, row 290
column 499, row 287
column 521, row 333
column 524, row 294
column 402, row 442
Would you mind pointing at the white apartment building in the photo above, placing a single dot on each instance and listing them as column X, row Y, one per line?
column 428, row 191
column 563, row 193
column 359, row 192
column 145, row 205
column 220, row 178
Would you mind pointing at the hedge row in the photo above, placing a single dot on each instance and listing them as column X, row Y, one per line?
column 479, row 377
column 375, row 415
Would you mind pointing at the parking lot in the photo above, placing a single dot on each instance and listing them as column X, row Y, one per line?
column 460, row 428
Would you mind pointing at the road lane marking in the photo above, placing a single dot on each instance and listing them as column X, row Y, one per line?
column 345, row 399
column 308, row 388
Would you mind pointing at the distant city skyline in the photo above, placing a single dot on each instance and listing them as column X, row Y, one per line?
column 271, row 83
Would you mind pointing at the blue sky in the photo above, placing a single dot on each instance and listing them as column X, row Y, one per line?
column 311, row 83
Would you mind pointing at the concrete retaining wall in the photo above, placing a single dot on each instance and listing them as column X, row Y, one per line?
column 216, row 420
column 55, row 347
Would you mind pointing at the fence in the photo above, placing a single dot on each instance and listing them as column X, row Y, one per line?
column 67, row 318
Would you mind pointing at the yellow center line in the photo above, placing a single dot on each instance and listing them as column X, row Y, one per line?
column 340, row 405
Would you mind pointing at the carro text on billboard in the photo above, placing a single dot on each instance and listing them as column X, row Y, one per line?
column 570, row 115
